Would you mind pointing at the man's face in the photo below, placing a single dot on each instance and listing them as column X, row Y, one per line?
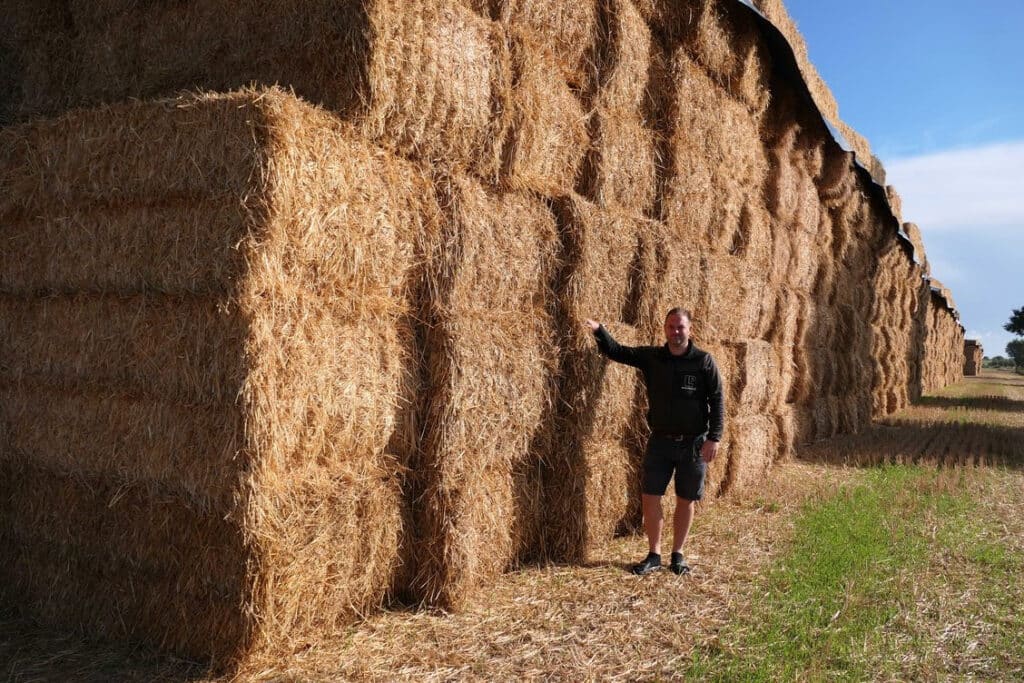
column 677, row 331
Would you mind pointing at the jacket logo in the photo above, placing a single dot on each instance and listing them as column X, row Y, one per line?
column 688, row 383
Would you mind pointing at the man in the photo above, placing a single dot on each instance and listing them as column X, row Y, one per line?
column 686, row 413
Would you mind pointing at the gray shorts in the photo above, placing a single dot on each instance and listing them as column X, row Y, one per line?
column 665, row 456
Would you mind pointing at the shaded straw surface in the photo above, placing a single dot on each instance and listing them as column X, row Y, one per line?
column 489, row 349
column 593, row 454
column 220, row 380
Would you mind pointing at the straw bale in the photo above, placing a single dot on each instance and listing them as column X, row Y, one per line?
column 489, row 309
column 787, row 312
column 285, row 441
column 749, row 373
column 730, row 298
column 723, row 38
column 837, row 179
column 568, row 30
column 895, row 202
column 422, row 76
column 826, row 416
column 625, row 59
column 752, row 447
column 603, row 253
column 805, row 255
column 795, row 428
column 673, row 277
column 717, row 162
column 171, row 348
column 914, row 233
column 547, row 136
column 593, row 486
column 621, row 169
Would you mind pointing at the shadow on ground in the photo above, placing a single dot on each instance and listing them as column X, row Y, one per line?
column 1000, row 403
column 905, row 440
column 32, row 653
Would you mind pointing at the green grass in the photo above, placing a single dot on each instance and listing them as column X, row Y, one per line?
column 854, row 597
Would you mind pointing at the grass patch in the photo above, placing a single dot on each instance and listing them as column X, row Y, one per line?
column 843, row 601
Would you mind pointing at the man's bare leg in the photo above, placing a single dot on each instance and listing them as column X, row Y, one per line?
column 653, row 522
column 681, row 521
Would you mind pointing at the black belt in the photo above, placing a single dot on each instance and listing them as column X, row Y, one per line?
column 676, row 436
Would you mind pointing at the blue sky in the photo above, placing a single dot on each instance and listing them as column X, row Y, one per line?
column 937, row 88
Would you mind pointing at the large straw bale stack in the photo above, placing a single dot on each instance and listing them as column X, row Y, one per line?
column 428, row 78
column 257, row 426
column 490, row 358
column 592, row 454
column 972, row 357
column 898, row 289
column 942, row 361
column 547, row 133
column 717, row 164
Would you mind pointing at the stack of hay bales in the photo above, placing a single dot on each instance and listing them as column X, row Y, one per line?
column 323, row 353
column 490, row 357
column 942, row 361
column 592, row 454
column 972, row 357
column 896, row 321
column 200, row 370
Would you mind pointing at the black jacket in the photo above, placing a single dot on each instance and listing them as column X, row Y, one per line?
column 684, row 392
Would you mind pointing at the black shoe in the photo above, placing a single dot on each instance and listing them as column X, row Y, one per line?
column 651, row 564
column 678, row 565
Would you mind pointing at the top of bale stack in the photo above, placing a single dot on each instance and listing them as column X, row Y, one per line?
column 424, row 77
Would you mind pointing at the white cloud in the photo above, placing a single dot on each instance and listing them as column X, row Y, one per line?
column 962, row 190
column 993, row 342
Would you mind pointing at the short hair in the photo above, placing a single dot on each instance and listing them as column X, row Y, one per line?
column 680, row 311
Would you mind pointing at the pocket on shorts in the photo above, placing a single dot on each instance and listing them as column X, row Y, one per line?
column 698, row 443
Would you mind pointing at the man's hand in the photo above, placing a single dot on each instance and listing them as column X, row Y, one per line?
column 593, row 325
column 709, row 450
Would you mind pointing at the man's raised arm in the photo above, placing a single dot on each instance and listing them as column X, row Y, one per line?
column 611, row 348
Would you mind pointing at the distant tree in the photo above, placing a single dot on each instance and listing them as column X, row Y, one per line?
column 1016, row 324
column 1015, row 350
